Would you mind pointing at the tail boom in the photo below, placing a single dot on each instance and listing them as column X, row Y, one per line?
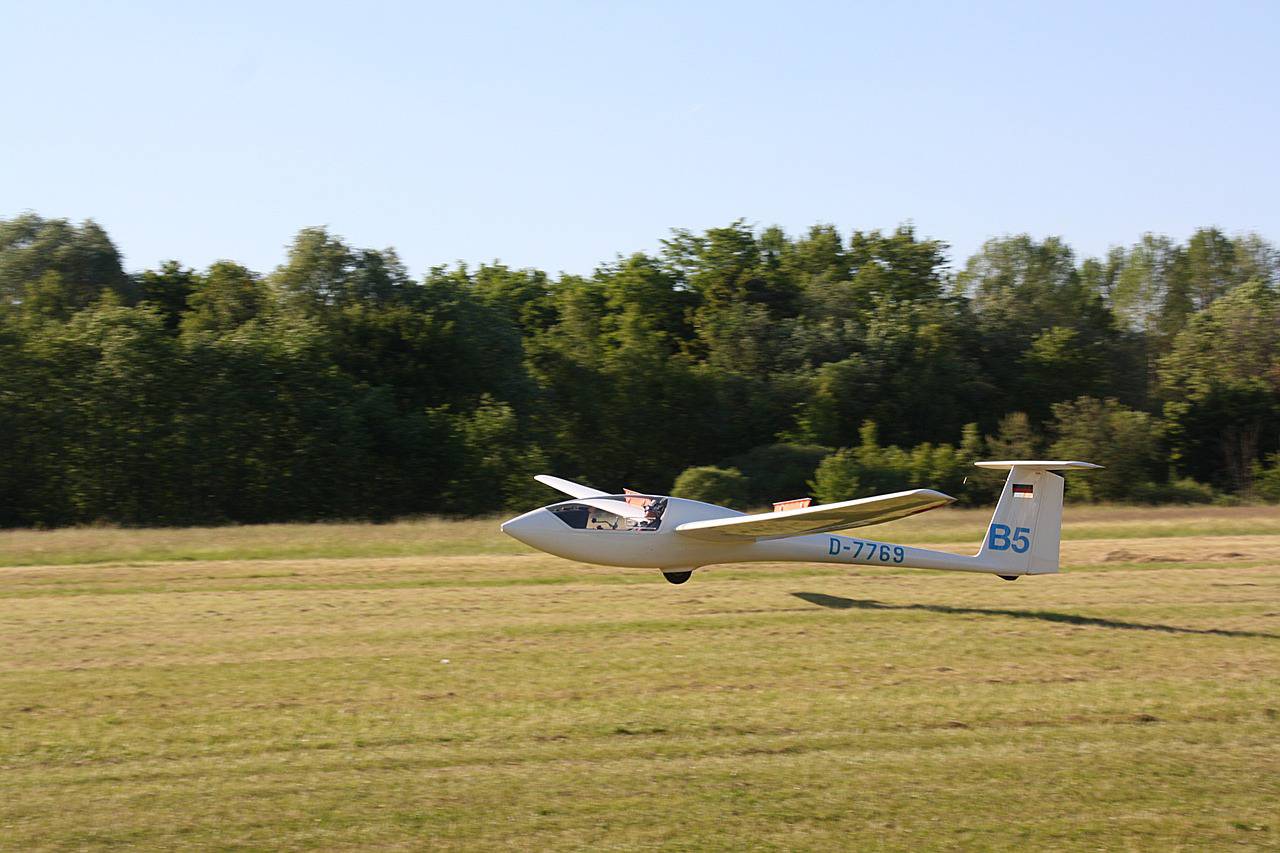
column 1022, row 538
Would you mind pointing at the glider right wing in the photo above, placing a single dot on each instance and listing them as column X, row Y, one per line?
column 815, row 519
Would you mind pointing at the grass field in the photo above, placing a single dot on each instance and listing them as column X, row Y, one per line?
column 433, row 684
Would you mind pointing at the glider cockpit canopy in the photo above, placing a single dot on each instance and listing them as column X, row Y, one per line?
column 612, row 512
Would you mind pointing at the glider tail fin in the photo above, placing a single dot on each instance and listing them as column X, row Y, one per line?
column 1026, row 528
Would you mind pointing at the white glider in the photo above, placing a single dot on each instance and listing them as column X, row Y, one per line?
column 677, row 535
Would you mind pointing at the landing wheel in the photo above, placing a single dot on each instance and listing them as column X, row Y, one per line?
column 677, row 577
column 1008, row 577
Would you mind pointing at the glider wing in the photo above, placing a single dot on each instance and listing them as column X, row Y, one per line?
column 570, row 488
column 815, row 519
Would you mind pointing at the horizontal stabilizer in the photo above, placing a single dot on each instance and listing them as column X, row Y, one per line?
column 1038, row 465
column 570, row 488
column 815, row 519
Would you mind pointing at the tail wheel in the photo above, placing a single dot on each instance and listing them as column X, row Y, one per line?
column 1009, row 577
column 677, row 577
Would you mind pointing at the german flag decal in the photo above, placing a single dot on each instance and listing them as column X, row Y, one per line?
column 1022, row 490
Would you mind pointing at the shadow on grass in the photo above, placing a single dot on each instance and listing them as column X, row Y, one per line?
column 835, row 602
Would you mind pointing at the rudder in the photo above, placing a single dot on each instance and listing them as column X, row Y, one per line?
column 1026, row 528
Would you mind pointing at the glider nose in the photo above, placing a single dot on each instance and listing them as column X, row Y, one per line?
column 533, row 528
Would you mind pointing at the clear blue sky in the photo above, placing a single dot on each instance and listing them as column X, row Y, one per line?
column 559, row 134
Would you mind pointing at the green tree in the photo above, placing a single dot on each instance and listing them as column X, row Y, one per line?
column 223, row 299
column 1015, row 438
column 836, row 477
column 339, row 386
column 168, row 288
column 1221, row 381
column 1105, row 432
column 500, row 464
column 723, row 266
column 109, row 383
column 720, row 486
column 1153, row 288
column 872, row 469
column 55, row 268
column 1266, row 478
column 914, row 374
column 1036, row 316
column 815, row 260
column 1211, row 267
column 643, row 313
column 322, row 273
column 897, row 267
column 1060, row 364
column 778, row 471
column 980, row 486
column 524, row 295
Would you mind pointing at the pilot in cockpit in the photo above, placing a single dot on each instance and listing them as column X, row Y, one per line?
column 653, row 514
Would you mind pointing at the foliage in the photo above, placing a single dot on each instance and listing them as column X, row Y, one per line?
column 869, row 469
column 1221, row 378
column 501, row 468
column 722, row 486
column 1125, row 442
column 337, row 385
column 1266, row 479
column 778, row 471
column 1182, row 491
column 55, row 268
column 836, row 477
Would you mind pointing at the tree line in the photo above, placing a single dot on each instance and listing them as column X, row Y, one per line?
column 738, row 364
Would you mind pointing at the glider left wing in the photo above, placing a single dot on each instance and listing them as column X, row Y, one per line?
column 570, row 488
column 815, row 519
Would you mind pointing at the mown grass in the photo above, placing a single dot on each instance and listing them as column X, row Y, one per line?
column 419, row 537
column 444, row 537
column 471, row 700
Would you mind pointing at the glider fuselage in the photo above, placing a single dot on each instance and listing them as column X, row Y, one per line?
column 664, row 548
column 660, row 548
